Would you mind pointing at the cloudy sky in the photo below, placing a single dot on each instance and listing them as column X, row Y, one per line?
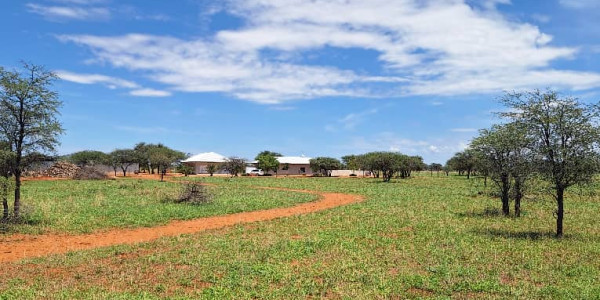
column 320, row 78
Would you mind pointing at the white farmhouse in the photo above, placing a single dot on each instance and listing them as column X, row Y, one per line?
column 203, row 160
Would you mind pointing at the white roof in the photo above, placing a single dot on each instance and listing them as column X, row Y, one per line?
column 294, row 160
column 207, row 157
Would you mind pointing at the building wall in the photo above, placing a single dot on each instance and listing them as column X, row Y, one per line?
column 294, row 170
column 200, row 167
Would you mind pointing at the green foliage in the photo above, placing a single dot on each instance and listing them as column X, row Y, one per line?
column 350, row 162
column 28, row 116
column 565, row 137
column 325, row 165
column 269, row 153
column 267, row 162
column 185, row 169
column 389, row 163
column 122, row 158
column 87, row 158
column 504, row 153
column 212, row 168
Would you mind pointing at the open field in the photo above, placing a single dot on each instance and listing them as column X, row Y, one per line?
column 417, row 238
column 69, row 206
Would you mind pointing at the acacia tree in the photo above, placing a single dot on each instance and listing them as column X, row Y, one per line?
column 351, row 162
column 504, row 153
column 87, row 158
column 163, row 158
column 324, row 165
column 565, row 137
column 28, row 116
column 122, row 158
column 234, row 165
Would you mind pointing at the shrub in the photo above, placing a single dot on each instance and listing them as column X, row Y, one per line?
column 89, row 173
column 194, row 193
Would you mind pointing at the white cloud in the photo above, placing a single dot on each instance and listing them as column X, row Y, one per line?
column 150, row 93
column 432, row 48
column 69, row 12
column 111, row 82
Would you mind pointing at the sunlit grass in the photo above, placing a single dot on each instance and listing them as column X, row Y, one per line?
column 85, row 206
column 418, row 238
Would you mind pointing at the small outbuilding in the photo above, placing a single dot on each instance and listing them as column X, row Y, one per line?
column 292, row 165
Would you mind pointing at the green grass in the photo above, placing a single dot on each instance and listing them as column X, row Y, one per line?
column 425, row 237
column 86, row 206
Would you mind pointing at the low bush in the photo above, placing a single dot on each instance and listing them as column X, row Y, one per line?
column 193, row 193
column 89, row 173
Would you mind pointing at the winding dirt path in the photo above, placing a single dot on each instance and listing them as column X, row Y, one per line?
column 19, row 247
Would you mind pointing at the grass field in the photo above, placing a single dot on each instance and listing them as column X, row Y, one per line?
column 418, row 238
column 85, row 206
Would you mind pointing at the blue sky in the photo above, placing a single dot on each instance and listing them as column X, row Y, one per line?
column 320, row 78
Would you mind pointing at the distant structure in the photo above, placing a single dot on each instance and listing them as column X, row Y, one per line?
column 201, row 161
column 292, row 165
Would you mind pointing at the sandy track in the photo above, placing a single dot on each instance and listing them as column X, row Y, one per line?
column 18, row 247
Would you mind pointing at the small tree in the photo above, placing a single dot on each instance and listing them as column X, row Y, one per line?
column 565, row 137
column 234, row 165
column 504, row 151
column 324, row 165
column 122, row 158
column 185, row 169
column 28, row 116
column 268, row 162
column 351, row 162
column 212, row 169
column 435, row 167
column 163, row 158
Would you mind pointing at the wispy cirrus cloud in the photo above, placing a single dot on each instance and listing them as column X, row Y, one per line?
column 150, row 93
column 59, row 13
column 433, row 48
column 111, row 82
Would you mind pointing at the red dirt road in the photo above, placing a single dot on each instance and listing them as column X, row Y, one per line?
column 18, row 247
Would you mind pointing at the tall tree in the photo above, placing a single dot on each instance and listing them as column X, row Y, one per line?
column 565, row 137
column 28, row 116
column 350, row 162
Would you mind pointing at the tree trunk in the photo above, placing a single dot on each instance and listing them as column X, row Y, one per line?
column 518, row 197
column 5, row 198
column 505, row 189
column 17, row 204
column 560, row 211
column 468, row 173
column 124, row 172
column 485, row 181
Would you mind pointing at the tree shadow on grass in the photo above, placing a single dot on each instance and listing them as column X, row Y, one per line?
column 486, row 213
column 526, row 235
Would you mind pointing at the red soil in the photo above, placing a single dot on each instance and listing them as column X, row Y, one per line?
column 18, row 247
